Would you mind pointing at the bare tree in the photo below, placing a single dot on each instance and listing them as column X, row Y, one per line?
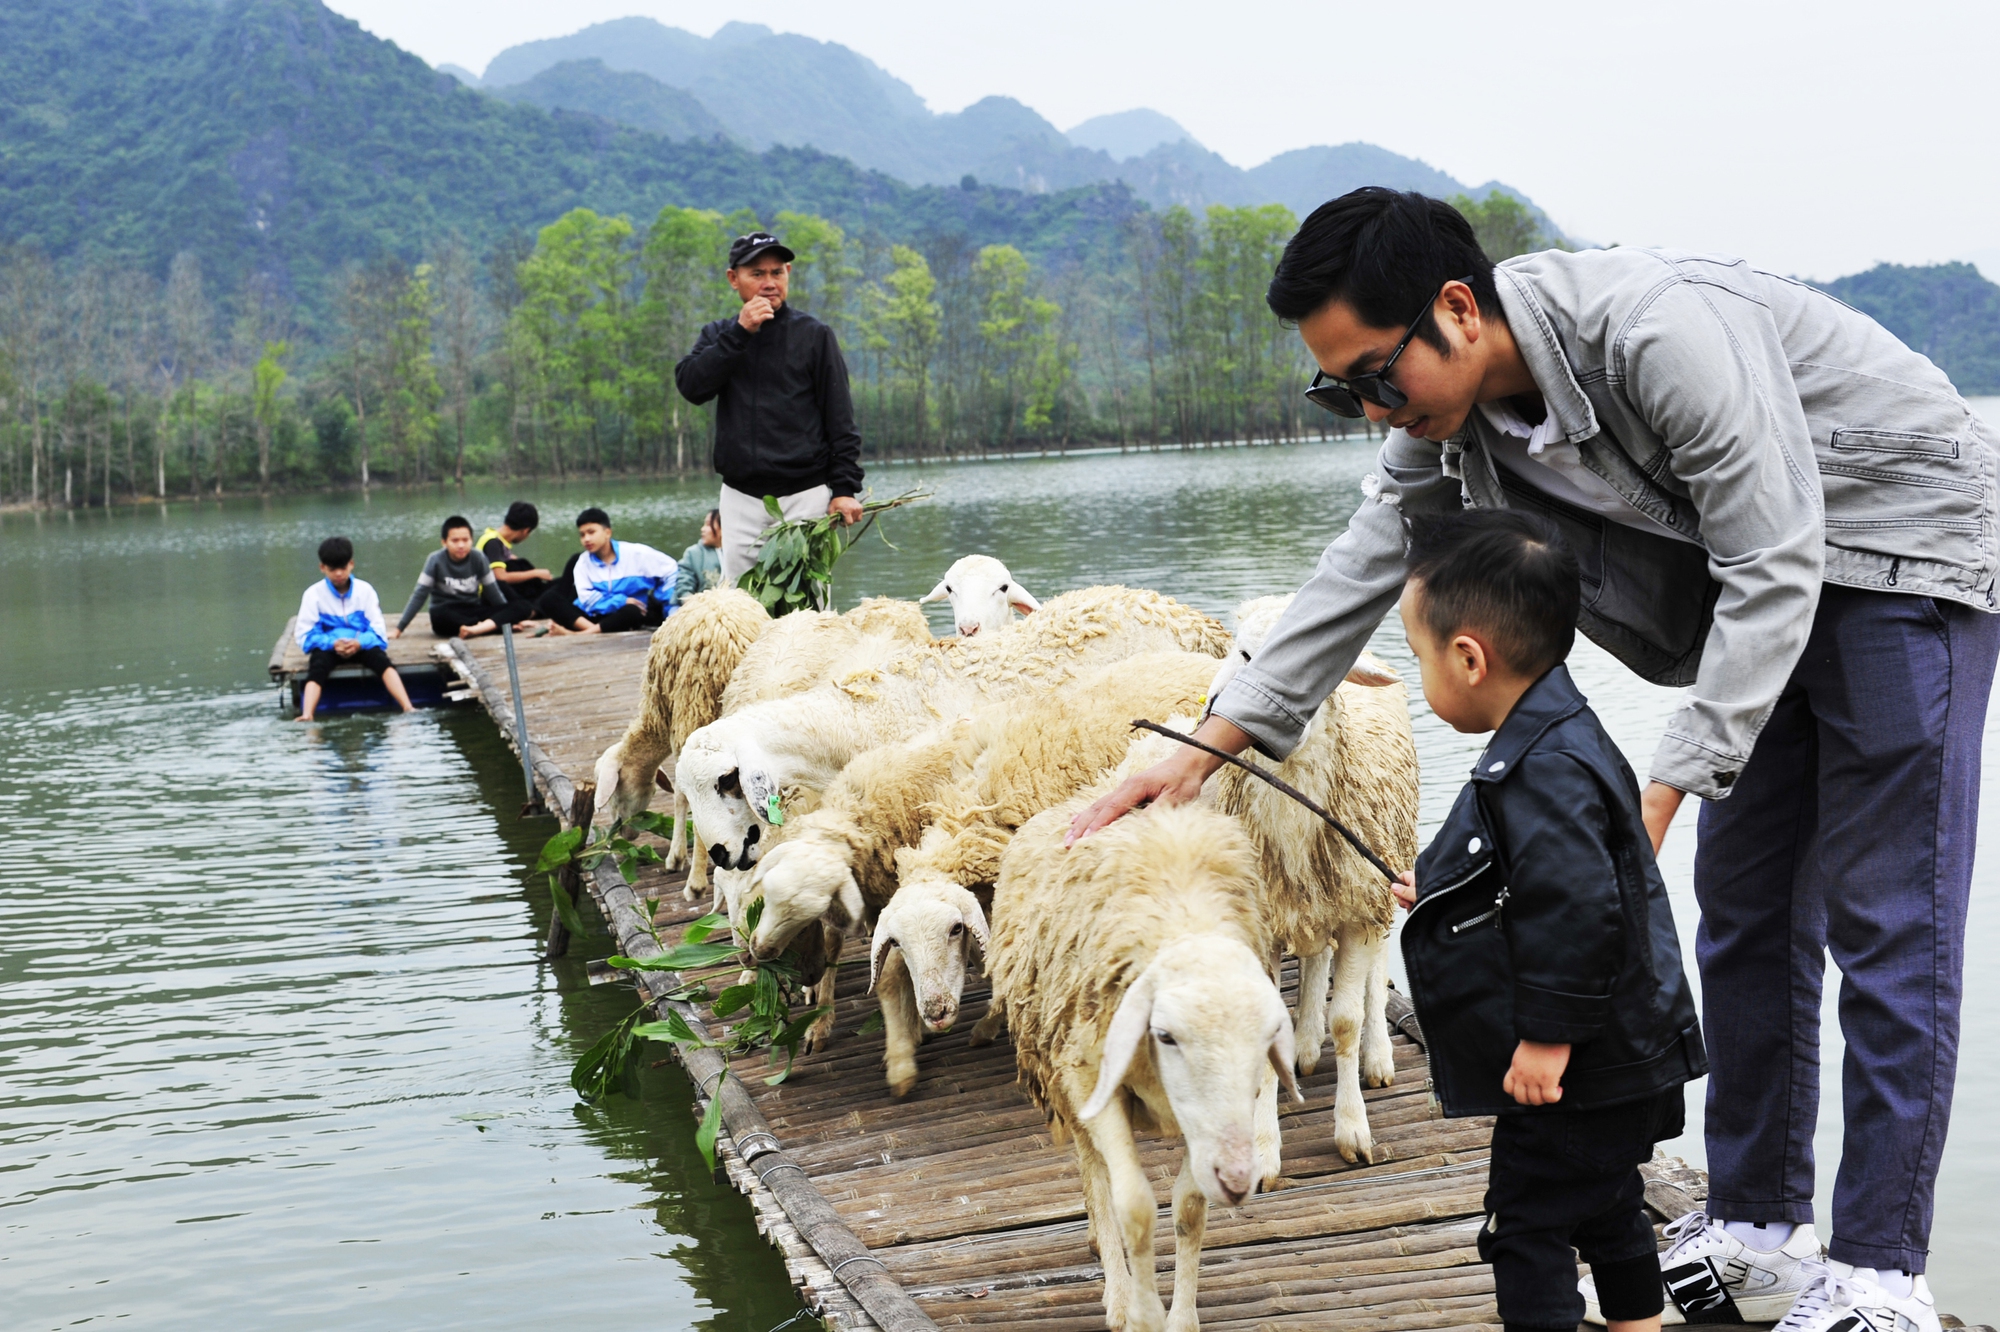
column 27, row 320
column 133, row 298
column 459, row 335
column 191, row 337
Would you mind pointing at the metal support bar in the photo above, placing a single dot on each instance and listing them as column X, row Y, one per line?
column 534, row 805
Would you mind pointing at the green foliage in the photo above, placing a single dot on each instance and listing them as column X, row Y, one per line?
column 1505, row 226
column 1948, row 312
column 794, row 570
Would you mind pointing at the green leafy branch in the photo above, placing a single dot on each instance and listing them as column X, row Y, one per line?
column 794, row 571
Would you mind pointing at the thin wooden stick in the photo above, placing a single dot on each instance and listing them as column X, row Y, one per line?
column 1284, row 786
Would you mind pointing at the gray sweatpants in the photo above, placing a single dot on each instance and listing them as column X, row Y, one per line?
column 744, row 522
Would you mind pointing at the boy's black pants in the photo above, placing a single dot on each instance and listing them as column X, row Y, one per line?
column 320, row 662
column 1569, row 1180
column 447, row 619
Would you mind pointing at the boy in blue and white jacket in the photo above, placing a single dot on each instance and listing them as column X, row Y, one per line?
column 340, row 620
column 613, row 586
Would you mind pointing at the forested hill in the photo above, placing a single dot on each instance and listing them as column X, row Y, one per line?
column 275, row 136
column 1946, row 311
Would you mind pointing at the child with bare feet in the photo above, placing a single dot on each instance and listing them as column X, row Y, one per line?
column 340, row 620
column 456, row 580
column 614, row 586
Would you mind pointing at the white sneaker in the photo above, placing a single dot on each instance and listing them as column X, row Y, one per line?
column 1712, row 1277
column 1839, row 1298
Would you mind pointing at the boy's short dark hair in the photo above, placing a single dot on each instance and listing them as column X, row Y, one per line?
column 593, row 515
column 453, row 523
column 1386, row 253
column 1502, row 573
column 714, row 516
column 335, row 552
column 523, row 516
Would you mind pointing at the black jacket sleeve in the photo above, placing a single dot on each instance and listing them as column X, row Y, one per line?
column 718, row 350
column 1564, row 913
column 836, row 409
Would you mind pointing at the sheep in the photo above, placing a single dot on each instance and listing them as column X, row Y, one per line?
column 782, row 753
column 1134, row 966
column 983, row 595
column 800, row 650
column 1358, row 759
column 834, row 868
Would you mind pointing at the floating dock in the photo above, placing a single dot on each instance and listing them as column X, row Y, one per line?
column 952, row 1207
column 414, row 656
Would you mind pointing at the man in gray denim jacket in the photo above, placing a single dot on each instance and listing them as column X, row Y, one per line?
column 1773, row 501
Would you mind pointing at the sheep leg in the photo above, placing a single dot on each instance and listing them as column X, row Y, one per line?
column 1132, row 1210
column 1309, row 1031
column 1270, row 1148
column 1098, row 1209
column 902, row 1028
column 820, row 995
column 987, row 1030
column 697, row 880
column 1190, row 1225
column 1350, row 984
column 1378, row 1056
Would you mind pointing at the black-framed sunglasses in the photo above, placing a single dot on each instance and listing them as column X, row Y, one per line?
column 1344, row 397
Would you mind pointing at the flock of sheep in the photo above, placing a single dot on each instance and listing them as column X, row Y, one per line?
column 858, row 776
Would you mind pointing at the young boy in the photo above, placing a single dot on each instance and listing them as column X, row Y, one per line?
column 520, row 578
column 1541, row 951
column 701, row 563
column 615, row 585
column 340, row 619
column 456, row 580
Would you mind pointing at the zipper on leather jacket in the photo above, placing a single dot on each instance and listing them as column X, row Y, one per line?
column 1440, row 893
column 1491, row 913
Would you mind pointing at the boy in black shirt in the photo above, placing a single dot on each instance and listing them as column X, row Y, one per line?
column 1541, row 951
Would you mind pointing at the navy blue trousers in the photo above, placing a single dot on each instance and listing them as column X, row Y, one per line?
column 1850, row 830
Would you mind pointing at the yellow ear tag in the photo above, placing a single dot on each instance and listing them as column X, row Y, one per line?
column 774, row 814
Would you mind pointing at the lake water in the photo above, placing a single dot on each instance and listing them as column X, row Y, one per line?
column 273, row 1041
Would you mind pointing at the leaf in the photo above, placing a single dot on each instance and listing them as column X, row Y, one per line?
column 673, row 1028
column 795, row 1031
column 699, row 930
column 559, row 850
column 691, row 957
column 751, row 915
column 565, row 907
column 872, row 1025
column 732, row 1000
column 771, row 507
column 602, row 1064
column 629, row 871
column 711, row 1123
column 652, row 821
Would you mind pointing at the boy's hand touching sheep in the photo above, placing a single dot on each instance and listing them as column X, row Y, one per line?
column 1404, row 889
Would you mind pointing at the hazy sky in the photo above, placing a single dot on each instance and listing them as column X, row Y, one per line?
column 1813, row 138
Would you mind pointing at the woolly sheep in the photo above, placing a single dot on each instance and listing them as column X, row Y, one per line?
column 790, row 749
column 983, row 595
column 1134, row 967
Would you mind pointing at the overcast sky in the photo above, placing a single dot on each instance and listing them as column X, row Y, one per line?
column 1814, row 138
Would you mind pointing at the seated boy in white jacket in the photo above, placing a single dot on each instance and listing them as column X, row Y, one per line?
column 340, row 620
column 613, row 586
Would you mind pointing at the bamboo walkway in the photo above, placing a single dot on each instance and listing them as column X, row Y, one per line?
column 952, row 1208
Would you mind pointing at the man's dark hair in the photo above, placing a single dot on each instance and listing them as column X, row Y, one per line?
column 336, row 551
column 593, row 515
column 1386, row 253
column 1502, row 574
column 453, row 523
column 523, row 516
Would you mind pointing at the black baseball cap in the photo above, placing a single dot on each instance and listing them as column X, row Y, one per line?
column 745, row 248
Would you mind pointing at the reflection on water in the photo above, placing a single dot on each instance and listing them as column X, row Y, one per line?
column 272, row 1041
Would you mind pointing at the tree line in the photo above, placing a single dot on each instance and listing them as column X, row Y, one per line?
column 553, row 355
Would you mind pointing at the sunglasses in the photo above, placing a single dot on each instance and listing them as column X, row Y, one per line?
column 1344, row 397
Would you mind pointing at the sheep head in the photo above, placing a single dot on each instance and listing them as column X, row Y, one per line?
column 983, row 595
column 1216, row 1030
column 624, row 789
column 723, row 779
column 935, row 924
column 800, row 882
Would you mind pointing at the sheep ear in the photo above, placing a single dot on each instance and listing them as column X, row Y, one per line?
column 884, row 941
column 1372, row 671
column 937, row 593
column 1283, row 1055
column 847, row 908
column 975, row 920
column 1121, row 1043
column 1021, row 599
column 661, row 780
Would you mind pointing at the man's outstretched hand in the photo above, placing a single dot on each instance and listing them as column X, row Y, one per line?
column 1658, row 804
column 848, row 507
column 1172, row 781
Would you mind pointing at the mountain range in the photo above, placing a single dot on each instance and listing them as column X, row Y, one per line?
column 823, row 95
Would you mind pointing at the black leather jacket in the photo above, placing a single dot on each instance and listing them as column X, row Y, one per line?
column 1541, row 916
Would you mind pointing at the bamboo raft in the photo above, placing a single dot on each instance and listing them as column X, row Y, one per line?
column 952, row 1208
column 414, row 657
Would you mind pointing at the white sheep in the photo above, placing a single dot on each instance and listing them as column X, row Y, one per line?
column 781, row 754
column 1134, row 966
column 983, row 595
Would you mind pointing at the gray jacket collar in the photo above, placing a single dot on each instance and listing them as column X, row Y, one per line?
column 1536, row 338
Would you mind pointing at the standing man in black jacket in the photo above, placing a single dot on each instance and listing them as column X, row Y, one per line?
column 784, row 425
